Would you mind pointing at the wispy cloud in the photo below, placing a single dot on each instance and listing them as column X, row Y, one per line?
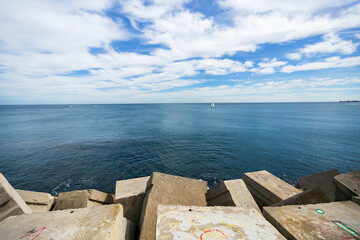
column 332, row 62
column 332, row 44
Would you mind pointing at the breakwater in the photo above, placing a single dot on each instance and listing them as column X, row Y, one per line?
column 161, row 206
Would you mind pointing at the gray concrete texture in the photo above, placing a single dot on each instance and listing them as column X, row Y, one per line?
column 102, row 222
column 268, row 189
column 309, row 196
column 325, row 180
column 168, row 189
column 130, row 194
column 231, row 193
column 330, row 221
column 81, row 199
column 356, row 199
column 348, row 183
column 205, row 223
column 130, row 187
column 10, row 201
column 37, row 201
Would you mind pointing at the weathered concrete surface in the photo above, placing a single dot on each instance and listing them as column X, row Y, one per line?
column 132, row 207
column 325, row 180
column 10, row 201
column 194, row 223
column 130, row 194
column 268, row 188
column 356, row 199
column 130, row 187
column 81, row 199
column 102, row 197
column 130, row 230
column 348, row 183
column 309, row 196
column 168, row 189
column 37, row 201
column 231, row 193
column 330, row 221
column 102, row 222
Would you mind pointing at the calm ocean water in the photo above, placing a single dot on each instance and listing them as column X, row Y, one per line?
column 56, row 148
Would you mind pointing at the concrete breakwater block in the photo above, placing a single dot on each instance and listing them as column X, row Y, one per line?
column 10, row 201
column 309, row 196
column 102, row 222
column 81, row 199
column 130, row 194
column 168, row 189
column 325, row 180
column 194, row 223
column 231, row 193
column 348, row 183
column 330, row 221
column 268, row 188
column 356, row 199
column 37, row 201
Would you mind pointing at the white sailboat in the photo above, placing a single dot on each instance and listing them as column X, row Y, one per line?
column 212, row 104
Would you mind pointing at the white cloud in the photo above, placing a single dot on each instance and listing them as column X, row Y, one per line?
column 285, row 6
column 332, row 43
column 190, row 34
column 332, row 62
column 292, row 90
column 55, row 27
column 155, row 9
column 271, row 63
column 268, row 66
column 293, row 56
column 222, row 66
column 40, row 40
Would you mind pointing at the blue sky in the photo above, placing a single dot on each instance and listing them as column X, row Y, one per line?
column 134, row 51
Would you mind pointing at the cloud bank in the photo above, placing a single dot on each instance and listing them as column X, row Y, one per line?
column 147, row 51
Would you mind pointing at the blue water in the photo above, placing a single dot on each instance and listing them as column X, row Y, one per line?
column 54, row 148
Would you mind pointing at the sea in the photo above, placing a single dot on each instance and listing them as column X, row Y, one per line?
column 56, row 148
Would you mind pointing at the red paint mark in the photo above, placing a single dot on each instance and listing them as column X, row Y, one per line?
column 41, row 230
column 213, row 230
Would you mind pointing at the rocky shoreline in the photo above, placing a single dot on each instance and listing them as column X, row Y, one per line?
column 163, row 206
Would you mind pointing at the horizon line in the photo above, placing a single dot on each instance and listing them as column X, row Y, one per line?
column 33, row 104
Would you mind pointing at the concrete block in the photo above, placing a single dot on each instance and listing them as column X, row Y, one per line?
column 132, row 207
column 81, row 199
column 130, row 187
column 330, row 221
column 130, row 194
column 325, row 180
column 259, row 199
column 356, row 199
column 10, row 201
column 309, row 196
column 231, row 193
column 37, row 201
column 269, row 188
column 348, row 183
column 130, row 232
column 194, row 223
column 102, row 197
column 168, row 189
column 102, row 222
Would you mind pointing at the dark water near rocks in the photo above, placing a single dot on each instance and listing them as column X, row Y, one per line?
column 56, row 148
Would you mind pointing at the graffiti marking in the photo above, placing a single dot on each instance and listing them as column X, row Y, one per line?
column 32, row 232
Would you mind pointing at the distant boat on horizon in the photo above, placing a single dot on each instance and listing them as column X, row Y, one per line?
column 350, row 101
column 212, row 105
